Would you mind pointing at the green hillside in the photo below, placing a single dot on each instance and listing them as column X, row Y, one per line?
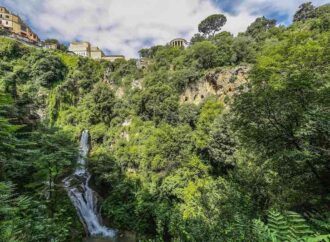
column 249, row 165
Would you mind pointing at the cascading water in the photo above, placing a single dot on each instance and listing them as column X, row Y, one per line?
column 82, row 196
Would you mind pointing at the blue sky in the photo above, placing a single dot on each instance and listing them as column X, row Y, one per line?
column 125, row 26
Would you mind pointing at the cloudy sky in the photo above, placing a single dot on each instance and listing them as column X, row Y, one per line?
column 125, row 26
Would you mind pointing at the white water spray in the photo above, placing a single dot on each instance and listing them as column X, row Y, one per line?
column 82, row 196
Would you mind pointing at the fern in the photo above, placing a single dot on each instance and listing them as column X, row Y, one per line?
column 289, row 226
column 325, row 225
column 321, row 222
column 262, row 231
column 278, row 225
column 298, row 227
column 318, row 238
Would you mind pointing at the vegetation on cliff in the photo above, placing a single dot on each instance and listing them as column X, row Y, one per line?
column 255, row 168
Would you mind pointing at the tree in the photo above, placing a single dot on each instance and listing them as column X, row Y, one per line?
column 212, row 24
column 322, row 10
column 188, row 114
column 55, row 151
column 144, row 52
column 181, row 78
column 282, row 117
column 165, row 56
column 213, row 210
column 150, row 53
column 259, row 27
column 221, row 147
column 10, row 49
column 47, row 70
column 204, row 54
column 102, row 104
column 210, row 110
column 31, row 161
column 26, row 218
column 7, row 139
column 197, row 38
column 244, row 48
column 323, row 18
column 224, row 42
column 159, row 103
column 305, row 11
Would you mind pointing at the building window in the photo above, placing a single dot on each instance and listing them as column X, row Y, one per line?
column 7, row 16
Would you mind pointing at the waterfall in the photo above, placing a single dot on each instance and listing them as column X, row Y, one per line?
column 82, row 196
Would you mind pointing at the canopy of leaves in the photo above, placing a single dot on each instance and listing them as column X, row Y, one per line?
column 305, row 11
column 47, row 70
column 212, row 24
column 259, row 27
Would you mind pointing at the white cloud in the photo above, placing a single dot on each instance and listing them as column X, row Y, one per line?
column 124, row 26
column 289, row 6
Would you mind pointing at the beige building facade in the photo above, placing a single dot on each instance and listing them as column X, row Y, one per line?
column 51, row 46
column 81, row 48
column 96, row 53
column 86, row 50
column 14, row 24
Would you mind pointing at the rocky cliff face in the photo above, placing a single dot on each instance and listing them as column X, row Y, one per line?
column 219, row 83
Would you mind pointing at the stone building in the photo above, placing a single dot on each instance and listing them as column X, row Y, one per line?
column 14, row 24
column 96, row 53
column 86, row 50
column 81, row 48
column 50, row 46
column 179, row 42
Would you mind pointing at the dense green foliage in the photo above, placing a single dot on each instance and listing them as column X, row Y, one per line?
column 55, row 42
column 255, row 168
column 306, row 11
column 33, row 157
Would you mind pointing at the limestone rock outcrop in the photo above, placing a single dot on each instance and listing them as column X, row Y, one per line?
column 219, row 83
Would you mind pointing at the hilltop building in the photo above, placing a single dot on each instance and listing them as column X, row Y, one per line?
column 96, row 53
column 14, row 24
column 81, row 48
column 51, row 46
column 179, row 42
column 86, row 50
